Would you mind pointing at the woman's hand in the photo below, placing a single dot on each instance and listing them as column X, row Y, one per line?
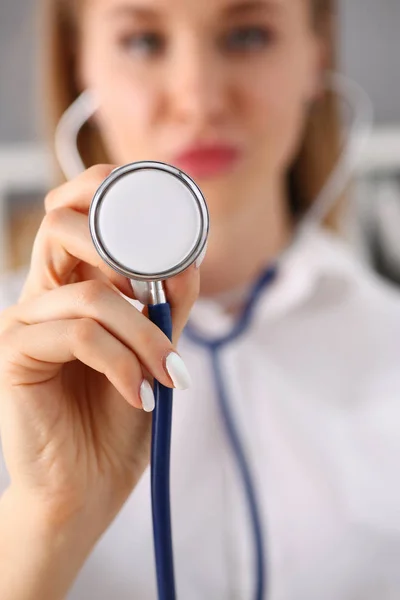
column 73, row 356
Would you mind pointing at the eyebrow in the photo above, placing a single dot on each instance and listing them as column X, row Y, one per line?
column 246, row 6
column 232, row 9
column 139, row 11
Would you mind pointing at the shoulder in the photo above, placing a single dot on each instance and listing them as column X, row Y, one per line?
column 375, row 298
column 360, row 315
column 342, row 302
column 11, row 284
column 334, row 259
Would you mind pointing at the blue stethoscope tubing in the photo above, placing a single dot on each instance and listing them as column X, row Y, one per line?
column 160, row 315
column 214, row 348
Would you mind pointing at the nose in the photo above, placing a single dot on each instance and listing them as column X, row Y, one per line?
column 197, row 89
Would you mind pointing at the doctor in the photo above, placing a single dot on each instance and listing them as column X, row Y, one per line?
column 303, row 365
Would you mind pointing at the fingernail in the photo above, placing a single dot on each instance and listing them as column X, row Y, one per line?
column 178, row 372
column 147, row 396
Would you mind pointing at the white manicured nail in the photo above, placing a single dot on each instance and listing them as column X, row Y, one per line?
column 178, row 371
column 147, row 396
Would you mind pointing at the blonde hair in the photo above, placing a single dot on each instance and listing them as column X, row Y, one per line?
column 318, row 151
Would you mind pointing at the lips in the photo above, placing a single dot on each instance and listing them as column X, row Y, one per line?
column 207, row 161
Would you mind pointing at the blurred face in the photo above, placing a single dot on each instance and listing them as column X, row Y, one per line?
column 219, row 88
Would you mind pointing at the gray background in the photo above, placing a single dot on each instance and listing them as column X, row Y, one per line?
column 370, row 52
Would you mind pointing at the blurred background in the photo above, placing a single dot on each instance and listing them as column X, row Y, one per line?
column 369, row 52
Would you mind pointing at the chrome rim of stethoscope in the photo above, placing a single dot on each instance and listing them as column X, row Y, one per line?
column 196, row 194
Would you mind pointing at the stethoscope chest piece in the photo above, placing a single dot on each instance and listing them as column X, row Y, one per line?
column 149, row 221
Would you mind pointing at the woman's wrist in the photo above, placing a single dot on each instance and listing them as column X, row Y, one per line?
column 41, row 552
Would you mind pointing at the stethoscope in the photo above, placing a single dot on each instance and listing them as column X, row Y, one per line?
column 149, row 221
column 140, row 208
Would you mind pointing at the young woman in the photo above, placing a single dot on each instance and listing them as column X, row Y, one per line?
column 302, row 365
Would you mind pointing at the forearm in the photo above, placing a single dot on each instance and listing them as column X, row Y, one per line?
column 39, row 557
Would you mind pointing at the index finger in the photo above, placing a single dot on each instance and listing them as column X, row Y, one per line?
column 88, row 182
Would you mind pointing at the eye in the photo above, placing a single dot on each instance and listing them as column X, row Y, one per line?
column 242, row 39
column 146, row 43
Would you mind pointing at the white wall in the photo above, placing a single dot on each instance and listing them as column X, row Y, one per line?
column 17, row 71
column 370, row 52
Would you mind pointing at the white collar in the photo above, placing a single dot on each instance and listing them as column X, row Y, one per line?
column 314, row 254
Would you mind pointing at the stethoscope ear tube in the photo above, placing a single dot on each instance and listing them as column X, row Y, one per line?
column 160, row 315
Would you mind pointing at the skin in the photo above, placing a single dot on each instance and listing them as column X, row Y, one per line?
column 73, row 352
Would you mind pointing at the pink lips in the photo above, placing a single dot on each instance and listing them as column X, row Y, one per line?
column 207, row 161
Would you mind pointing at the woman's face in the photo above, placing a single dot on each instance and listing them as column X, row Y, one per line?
column 217, row 87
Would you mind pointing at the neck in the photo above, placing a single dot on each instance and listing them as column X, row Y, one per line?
column 243, row 244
